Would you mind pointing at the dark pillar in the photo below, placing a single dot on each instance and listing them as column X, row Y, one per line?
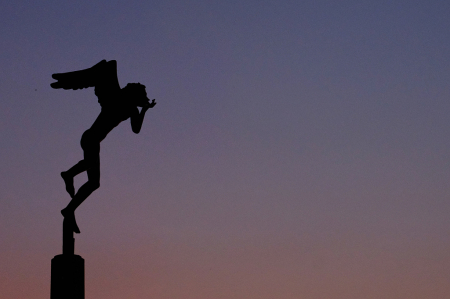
column 67, row 278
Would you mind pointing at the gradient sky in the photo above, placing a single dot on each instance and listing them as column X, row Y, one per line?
column 299, row 149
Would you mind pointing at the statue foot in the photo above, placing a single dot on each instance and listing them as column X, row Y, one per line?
column 68, row 181
column 69, row 216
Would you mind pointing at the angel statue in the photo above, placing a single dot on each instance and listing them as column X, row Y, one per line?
column 117, row 104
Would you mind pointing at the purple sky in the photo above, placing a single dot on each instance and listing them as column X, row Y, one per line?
column 299, row 149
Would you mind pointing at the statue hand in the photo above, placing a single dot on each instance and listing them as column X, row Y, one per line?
column 149, row 105
column 152, row 104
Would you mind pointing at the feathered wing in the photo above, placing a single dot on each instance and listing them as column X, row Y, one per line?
column 102, row 76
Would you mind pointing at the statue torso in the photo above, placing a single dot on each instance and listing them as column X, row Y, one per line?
column 115, row 109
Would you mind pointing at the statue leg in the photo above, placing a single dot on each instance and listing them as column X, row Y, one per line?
column 86, row 145
column 70, row 174
column 92, row 161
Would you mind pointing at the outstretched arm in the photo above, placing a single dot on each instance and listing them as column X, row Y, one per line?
column 137, row 118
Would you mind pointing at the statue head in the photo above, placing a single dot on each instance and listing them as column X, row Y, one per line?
column 135, row 92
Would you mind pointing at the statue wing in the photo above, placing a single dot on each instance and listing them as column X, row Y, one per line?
column 102, row 76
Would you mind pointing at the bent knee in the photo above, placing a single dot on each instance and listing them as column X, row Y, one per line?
column 94, row 184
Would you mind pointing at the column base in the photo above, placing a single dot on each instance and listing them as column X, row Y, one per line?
column 67, row 277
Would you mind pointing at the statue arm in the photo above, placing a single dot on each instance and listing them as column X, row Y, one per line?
column 137, row 117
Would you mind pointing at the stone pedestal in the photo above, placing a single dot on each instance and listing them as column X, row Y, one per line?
column 67, row 278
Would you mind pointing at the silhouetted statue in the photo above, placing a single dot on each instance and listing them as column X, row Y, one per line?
column 117, row 105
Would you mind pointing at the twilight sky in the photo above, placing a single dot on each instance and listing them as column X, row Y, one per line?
column 299, row 149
